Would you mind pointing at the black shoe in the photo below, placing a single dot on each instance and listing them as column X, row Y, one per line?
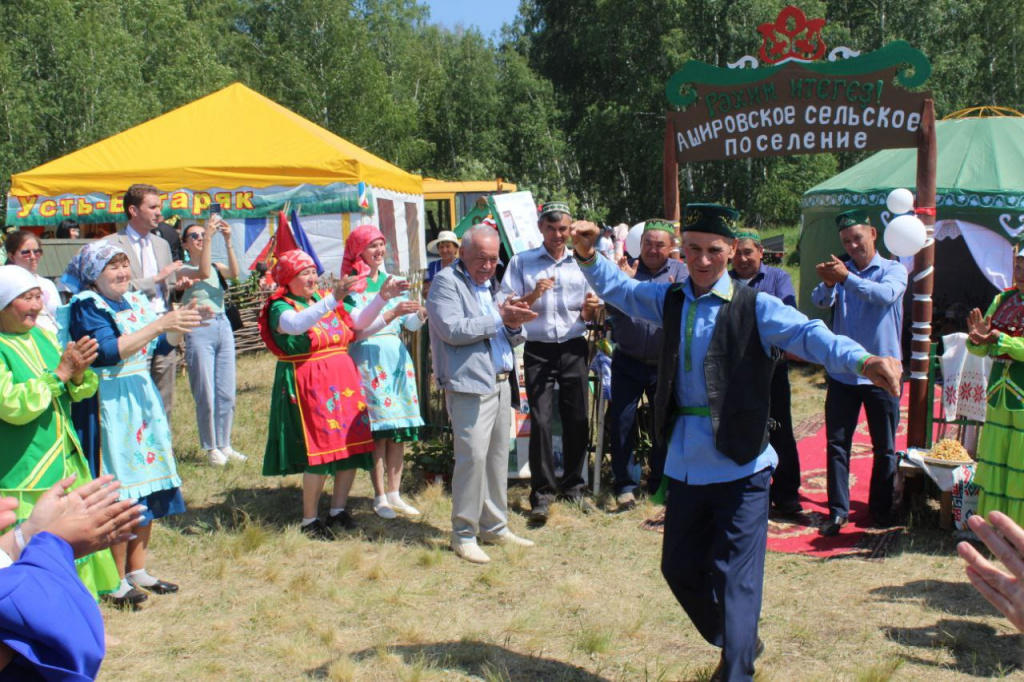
column 159, row 587
column 540, row 513
column 130, row 601
column 343, row 520
column 787, row 508
column 831, row 527
column 318, row 531
column 720, row 670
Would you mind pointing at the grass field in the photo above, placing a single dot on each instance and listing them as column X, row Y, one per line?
column 260, row 602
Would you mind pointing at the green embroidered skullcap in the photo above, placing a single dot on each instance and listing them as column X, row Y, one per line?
column 660, row 224
column 550, row 207
column 710, row 218
column 749, row 233
column 851, row 218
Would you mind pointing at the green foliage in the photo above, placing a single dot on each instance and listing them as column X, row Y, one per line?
column 568, row 102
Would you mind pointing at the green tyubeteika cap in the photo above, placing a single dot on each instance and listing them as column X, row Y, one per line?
column 710, row 218
column 749, row 233
column 549, row 207
column 851, row 218
column 660, row 224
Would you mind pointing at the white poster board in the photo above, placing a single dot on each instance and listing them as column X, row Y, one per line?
column 516, row 215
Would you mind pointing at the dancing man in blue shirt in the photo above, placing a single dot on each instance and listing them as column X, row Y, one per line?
column 712, row 409
column 865, row 292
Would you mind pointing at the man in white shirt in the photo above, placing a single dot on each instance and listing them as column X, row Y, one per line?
column 152, row 271
column 548, row 279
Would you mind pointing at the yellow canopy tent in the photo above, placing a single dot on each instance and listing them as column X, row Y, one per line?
column 245, row 152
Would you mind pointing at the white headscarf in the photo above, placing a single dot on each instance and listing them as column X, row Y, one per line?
column 14, row 281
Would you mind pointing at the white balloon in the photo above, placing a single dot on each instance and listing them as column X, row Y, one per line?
column 634, row 238
column 900, row 201
column 905, row 235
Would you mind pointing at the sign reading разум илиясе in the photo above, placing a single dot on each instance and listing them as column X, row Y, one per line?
column 798, row 105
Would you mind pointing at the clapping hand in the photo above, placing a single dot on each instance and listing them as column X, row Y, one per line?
column 343, row 286
column 1003, row 590
column 182, row 283
column 515, row 312
column 833, row 271
column 393, row 287
column 89, row 518
column 184, row 319
column 404, row 308
column 979, row 329
column 627, row 269
column 77, row 358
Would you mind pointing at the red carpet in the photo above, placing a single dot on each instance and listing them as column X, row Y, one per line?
column 800, row 534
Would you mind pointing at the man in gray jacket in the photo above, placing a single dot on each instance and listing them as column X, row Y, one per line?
column 471, row 340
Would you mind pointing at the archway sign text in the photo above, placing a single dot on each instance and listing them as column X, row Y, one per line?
column 803, row 101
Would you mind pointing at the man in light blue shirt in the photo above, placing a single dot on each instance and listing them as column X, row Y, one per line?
column 865, row 293
column 712, row 407
column 471, row 339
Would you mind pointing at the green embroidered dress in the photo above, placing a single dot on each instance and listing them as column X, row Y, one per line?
column 40, row 447
column 1000, row 473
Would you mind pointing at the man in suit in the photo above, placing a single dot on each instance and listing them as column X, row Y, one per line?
column 471, row 340
column 152, row 271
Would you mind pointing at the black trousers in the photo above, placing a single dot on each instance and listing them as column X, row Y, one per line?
column 842, row 407
column 716, row 536
column 631, row 379
column 786, row 479
column 564, row 365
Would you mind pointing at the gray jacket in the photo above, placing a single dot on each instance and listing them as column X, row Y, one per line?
column 460, row 334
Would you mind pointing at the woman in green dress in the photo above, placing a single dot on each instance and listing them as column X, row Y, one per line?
column 38, row 383
column 318, row 419
column 999, row 334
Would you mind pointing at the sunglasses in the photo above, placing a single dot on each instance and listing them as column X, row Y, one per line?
column 194, row 235
column 31, row 252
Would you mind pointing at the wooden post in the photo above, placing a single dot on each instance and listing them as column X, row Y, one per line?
column 923, row 281
column 670, row 177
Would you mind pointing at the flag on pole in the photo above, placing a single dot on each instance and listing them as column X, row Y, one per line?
column 303, row 242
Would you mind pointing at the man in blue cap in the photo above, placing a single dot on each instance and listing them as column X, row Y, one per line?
column 865, row 292
column 712, row 409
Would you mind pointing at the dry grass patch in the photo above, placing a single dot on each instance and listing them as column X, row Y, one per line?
column 259, row 601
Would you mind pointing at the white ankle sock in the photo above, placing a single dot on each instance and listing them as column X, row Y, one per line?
column 306, row 522
column 122, row 589
column 336, row 510
column 381, row 501
column 141, row 578
column 394, row 497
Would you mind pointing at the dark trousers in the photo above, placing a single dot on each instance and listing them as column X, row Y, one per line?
column 631, row 379
column 565, row 365
column 786, row 479
column 842, row 408
column 713, row 559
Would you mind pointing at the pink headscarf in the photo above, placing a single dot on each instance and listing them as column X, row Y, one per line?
column 289, row 265
column 352, row 262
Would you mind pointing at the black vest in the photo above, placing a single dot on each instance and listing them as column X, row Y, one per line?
column 737, row 371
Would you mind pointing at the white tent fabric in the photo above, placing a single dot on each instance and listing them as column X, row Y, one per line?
column 992, row 253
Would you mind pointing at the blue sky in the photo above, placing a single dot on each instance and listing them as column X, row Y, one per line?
column 486, row 15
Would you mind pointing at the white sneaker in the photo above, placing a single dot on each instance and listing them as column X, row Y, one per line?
column 234, row 454
column 216, row 458
column 471, row 552
column 384, row 510
column 402, row 507
column 509, row 540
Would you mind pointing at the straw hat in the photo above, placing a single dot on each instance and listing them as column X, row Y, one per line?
column 442, row 236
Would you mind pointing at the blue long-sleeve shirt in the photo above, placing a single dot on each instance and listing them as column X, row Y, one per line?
column 692, row 455
column 637, row 337
column 867, row 307
column 774, row 281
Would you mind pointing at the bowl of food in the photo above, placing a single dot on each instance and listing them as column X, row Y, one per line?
column 947, row 453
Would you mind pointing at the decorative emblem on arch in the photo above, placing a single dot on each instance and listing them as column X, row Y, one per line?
column 791, row 36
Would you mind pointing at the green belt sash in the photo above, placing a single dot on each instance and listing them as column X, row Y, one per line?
column 693, row 411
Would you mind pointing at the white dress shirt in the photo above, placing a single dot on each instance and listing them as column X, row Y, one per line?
column 558, row 309
column 143, row 246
